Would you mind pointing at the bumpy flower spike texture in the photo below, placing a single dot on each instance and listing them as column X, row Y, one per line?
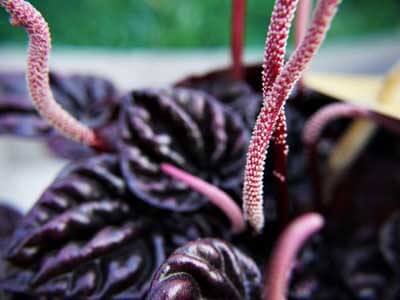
column 275, row 46
column 284, row 255
column 273, row 105
column 24, row 14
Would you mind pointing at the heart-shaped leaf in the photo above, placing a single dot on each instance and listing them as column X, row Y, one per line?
column 188, row 129
column 88, row 237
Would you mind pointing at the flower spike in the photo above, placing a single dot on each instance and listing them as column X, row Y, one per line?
column 284, row 254
column 24, row 14
column 302, row 18
column 216, row 196
column 273, row 105
column 274, row 56
column 315, row 126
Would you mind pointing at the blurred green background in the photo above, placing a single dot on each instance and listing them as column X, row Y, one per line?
column 184, row 23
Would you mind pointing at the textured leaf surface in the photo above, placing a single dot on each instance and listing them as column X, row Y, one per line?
column 9, row 220
column 188, row 129
column 88, row 237
column 207, row 269
column 239, row 95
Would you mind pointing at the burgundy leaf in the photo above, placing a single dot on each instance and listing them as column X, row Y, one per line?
column 207, row 269
column 91, row 100
column 88, row 237
column 237, row 94
column 187, row 129
column 9, row 220
column 390, row 242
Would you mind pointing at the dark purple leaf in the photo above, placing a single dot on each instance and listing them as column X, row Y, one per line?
column 390, row 242
column 90, row 99
column 17, row 115
column 9, row 220
column 238, row 95
column 245, row 97
column 188, row 129
column 365, row 272
column 207, row 269
column 88, row 237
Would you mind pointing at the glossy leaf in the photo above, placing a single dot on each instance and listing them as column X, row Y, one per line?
column 237, row 94
column 88, row 237
column 187, row 129
column 207, row 269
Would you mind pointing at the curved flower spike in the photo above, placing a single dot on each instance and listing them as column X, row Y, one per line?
column 316, row 124
column 218, row 197
column 25, row 15
column 282, row 259
column 273, row 104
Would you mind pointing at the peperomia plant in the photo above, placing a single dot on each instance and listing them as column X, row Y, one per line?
column 107, row 222
column 276, row 96
column 217, row 146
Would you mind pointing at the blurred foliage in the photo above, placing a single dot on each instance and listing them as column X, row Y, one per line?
column 183, row 23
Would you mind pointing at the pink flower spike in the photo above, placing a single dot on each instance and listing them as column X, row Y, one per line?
column 273, row 104
column 302, row 18
column 315, row 126
column 237, row 36
column 274, row 55
column 24, row 14
column 275, row 47
column 317, row 122
column 285, row 252
column 216, row 196
column 275, row 44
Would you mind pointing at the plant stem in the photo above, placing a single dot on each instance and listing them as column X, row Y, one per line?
column 237, row 37
column 216, row 196
column 315, row 126
column 24, row 14
column 285, row 252
column 275, row 101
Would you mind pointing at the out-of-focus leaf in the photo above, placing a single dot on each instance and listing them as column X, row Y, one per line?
column 91, row 100
column 207, row 269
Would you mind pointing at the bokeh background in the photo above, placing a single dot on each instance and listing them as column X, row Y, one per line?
column 185, row 24
column 137, row 43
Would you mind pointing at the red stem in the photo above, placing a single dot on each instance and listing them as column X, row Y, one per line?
column 315, row 126
column 25, row 15
column 274, row 102
column 216, row 196
column 285, row 252
column 237, row 37
column 281, row 151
